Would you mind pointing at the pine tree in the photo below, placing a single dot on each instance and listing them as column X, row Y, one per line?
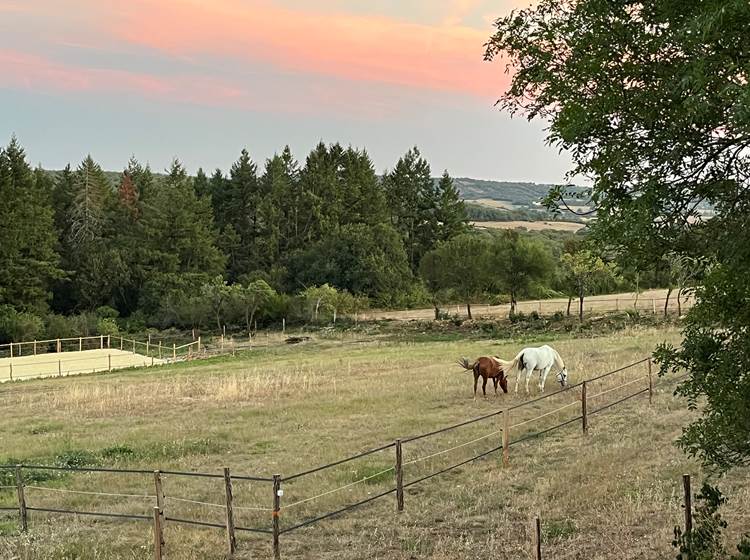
column 412, row 201
column 451, row 210
column 201, row 183
column 28, row 261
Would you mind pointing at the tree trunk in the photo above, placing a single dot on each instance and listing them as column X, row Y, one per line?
column 666, row 301
column 580, row 306
column 437, row 311
column 512, row 305
column 468, row 310
column 679, row 302
column 570, row 300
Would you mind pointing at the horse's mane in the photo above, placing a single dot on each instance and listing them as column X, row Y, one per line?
column 558, row 359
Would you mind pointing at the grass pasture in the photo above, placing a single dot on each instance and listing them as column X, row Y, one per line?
column 612, row 494
column 70, row 363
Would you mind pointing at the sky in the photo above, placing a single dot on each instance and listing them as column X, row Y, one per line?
column 201, row 79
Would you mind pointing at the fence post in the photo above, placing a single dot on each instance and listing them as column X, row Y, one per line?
column 584, row 410
column 399, row 477
column 277, row 493
column 537, row 538
column 199, row 344
column 34, row 347
column 688, row 505
column 21, row 499
column 231, row 541
column 109, row 341
column 174, row 351
column 158, row 536
column 11, row 349
column 11, row 370
column 283, row 325
column 148, row 343
column 650, row 384
column 506, row 438
column 159, row 488
column 101, row 342
column 133, row 346
column 109, row 362
column 59, row 346
column 160, row 349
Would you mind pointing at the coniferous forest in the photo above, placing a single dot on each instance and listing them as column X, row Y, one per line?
column 86, row 251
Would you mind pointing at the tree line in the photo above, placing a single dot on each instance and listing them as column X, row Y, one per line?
column 305, row 241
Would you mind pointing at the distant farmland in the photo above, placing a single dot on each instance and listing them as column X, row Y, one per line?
column 531, row 226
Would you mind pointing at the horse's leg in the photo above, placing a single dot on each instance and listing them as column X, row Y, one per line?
column 494, row 382
column 528, row 378
column 543, row 377
column 518, row 378
column 476, row 378
column 484, row 386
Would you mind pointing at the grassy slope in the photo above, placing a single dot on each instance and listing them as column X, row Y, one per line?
column 286, row 409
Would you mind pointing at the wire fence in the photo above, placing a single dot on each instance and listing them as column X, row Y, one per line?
column 592, row 304
column 256, row 501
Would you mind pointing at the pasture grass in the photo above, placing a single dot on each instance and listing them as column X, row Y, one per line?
column 613, row 494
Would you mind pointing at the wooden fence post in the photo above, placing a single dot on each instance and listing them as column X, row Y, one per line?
column 80, row 343
column 650, row 384
column 21, row 500
column 148, row 344
column 34, row 347
column 159, row 488
column 506, row 438
column 283, row 325
column 277, row 493
column 199, row 344
column 537, row 538
column 59, row 346
column 584, row 410
column 11, row 349
column 109, row 341
column 11, row 370
column 231, row 541
column 133, row 346
column 174, row 351
column 158, row 536
column 101, row 342
column 399, row 477
column 688, row 504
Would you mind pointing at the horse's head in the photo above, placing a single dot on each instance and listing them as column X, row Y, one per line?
column 504, row 382
column 562, row 377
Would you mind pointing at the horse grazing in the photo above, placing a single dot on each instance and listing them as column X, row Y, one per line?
column 488, row 368
column 540, row 359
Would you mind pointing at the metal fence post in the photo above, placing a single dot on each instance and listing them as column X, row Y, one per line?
column 537, row 538
column 688, row 504
column 399, row 477
column 277, row 493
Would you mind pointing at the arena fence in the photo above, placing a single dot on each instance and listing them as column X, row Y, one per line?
column 263, row 504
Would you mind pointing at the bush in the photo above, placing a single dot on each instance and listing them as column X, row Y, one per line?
column 107, row 312
column 19, row 326
column 107, row 326
column 58, row 326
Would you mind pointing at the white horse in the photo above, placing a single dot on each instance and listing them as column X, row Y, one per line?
column 540, row 359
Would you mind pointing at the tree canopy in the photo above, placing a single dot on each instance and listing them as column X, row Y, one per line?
column 651, row 100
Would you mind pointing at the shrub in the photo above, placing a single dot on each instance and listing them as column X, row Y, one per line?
column 107, row 326
column 19, row 326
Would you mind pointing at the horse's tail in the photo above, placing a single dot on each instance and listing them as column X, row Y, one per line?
column 511, row 365
column 464, row 363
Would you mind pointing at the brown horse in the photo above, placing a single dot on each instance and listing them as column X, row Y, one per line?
column 486, row 367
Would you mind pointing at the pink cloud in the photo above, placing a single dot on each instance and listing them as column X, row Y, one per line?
column 358, row 48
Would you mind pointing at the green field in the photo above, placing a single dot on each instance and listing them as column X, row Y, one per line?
column 284, row 409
